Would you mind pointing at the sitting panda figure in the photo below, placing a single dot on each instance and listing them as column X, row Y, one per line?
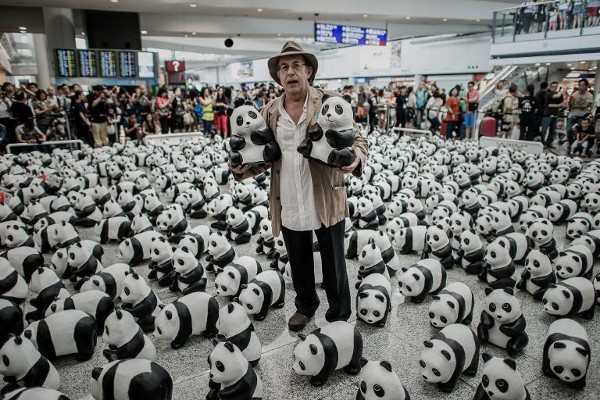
column 24, row 366
column 196, row 240
column 567, row 353
column 451, row 352
column 266, row 241
column 453, row 305
column 193, row 314
column 373, row 300
column 109, row 281
column 470, row 252
column 161, row 265
column 252, row 141
column 410, row 239
column 438, row 246
column 562, row 211
column 591, row 240
column 17, row 236
column 136, row 249
column 238, row 227
column 501, row 380
column 240, row 272
column 336, row 345
column 378, row 381
column 267, row 289
column 48, row 288
column 570, row 298
column 172, row 222
column 541, row 231
column 519, row 245
column 538, row 275
column 125, row 338
column 371, row 262
column 367, row 216
column 499, row 270
column 389, row 256
column 579, row 224
column 145, row 379
column 428, row 276
column 12, row 285
column 82, row 263
column 220, row 252
column 139, row 299
column 576, row 260
column 502, row 323
column 189, row 275
column 330, row 140
column 235, row 326
column 231, row 375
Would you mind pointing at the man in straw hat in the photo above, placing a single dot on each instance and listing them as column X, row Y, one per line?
column 307, row 196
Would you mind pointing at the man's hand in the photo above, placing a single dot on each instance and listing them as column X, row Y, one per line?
column 350, row 168
column 239, row 169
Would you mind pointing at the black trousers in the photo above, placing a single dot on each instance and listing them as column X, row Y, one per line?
column 299, row 246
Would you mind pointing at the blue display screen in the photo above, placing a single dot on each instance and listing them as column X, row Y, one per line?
column 353, row 35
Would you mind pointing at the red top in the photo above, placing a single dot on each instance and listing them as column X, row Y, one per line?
column 453, row 109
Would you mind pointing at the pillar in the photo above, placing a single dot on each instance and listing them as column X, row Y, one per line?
column 60, row 34
column 42, row 61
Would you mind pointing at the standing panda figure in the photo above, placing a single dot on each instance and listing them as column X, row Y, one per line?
column 373, row 300
column 267, row 289
column 235, row 326
column 220, row 252
column 501, row 380
column 139, row 299
column 115, row 228
column 438, row 246
column 562, row 211
column 189, row 275
column 367, row 216
column 567, row 353
column 502, row 323
column 355, row 240
column 428, row 276
column 499, row 270
column 231, row 375
column 518, row 246
column 266, row 240
column 161, row 265
column 336, row 345
column 136, row 249
column 132, row 379
column 82, row 263
column 252, row 141
column 577, row 260
column 241, row 271
column 453, row 305
column 571, row 297
column 125, row 338
column 371, row 262
column 389, row 256
column 379, row 381
column 94, row 302
column 64, row 333
column 541, row 231
column 330, row 140
column 193, row 314
column 410, row 239
column 196, row 240
column 450, row 353
column 537, row 276
column 109, row 281
column 470, row 252
column 24, row 366
column 12, row 285
column 48, row 287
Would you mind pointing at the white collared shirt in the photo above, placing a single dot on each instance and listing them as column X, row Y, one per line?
column 297, row 195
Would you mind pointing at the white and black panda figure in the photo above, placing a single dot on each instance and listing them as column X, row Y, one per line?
column 519, row 245
column 517, row 205
column 577, row 260
column 136, row 249
column 470, row 252
column 410, row 240
column 231, row 375
column 34, row 393
column 571, row 298
column 330, row 140
column 378, row 381
column 453, row 305
column 11, row 320
column 367, row 216
column 591, row 202
column 373, row 300
column 533, row 213
column 115, row 228
column 355, row 240
column 220, row 252
column 371, row 262
column 502, row 323
column 389, row 256
column 131, row 379
column 567, row 353
column 591, row 240
column 189, row 275
column 537, row 276
column 24, row 366
column 252, row 141
column 172, row 222
column 452, row 352
column 579, row 224
column 94, row 302
column 238, row 227
column 428, row 276
column 501, row 223
column 12, row 285
column 483, row 226
column 82, row 264
column 235, row 326
column 17, row 236
column 141, row 223
column 161, row 264
column 193, row 314
column 242, row 270
column 125, row 338
column 139, row 299
column 499, row 270
column 266, row 290
column 55, row 235
column 438, row 246
column 196, row 240
column 334, row 346
column 541, row 231
column 64, row 333
column 48, row 287
column 109, row 281
column 501, row 380
column 266, row 240
column 561, row 211
column 88, row 213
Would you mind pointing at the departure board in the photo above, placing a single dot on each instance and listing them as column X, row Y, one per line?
column 88, row 65
column 344, row 34
column 108, row 63
column 66, row 63
column 127, row 64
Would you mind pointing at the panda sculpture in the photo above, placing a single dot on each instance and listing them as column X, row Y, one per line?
column 24, row 366
column 242, row 270
column 519, row 245
column 373, row 300
column 502, row 323
column 56, row 235
column 427, row 276
column 570, row 298
column 114, row 228
column 330, row 140
column 231, row 375
column 266, row 290
column 541, row 231
column 577, row 260
column 189, row 275
column 266, row 240
column 538, row 275
column 453, row 305
column 161, row 262
column 378, row 381
column 94, row 302
column 355, row 240
column 48, row 288
column 567, row 353
column 136, row 249
column 371, row 262
column 235, row 326
column 501, row 223
column 125, row 338
column 451, row 352
column 410, row 239
column 389, row 256
column 196, row 240
column 131, row 379
column 11, row 320
column 499, row 270
column 470, row 252
column 334, row 346
column 501, row 380
column 220, row 252
column 252, row 141
column 139, row 299
column 34, row 393
column 193, row 314
column 579, row 224
column 438, row 246
column 64, row 333
column 109, row 280
column 82, row 264
column 238, row 227
column 12, row 285
column 591, row 240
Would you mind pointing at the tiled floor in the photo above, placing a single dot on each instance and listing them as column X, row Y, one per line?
column 400, row 342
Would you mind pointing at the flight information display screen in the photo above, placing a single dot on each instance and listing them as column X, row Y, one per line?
column 127, row 64
column 353, row 35
column 88, row 65
column 66, row 63
column 108, row 63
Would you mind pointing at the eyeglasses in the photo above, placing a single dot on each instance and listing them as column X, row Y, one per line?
column 295, row 66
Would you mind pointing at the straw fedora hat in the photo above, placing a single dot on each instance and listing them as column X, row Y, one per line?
column 291, row 48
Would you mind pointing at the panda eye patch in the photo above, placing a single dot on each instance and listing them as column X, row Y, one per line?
column 506, row 307
column 422, row 364
column 5, row 360
column 252, row 114
column 376, row 313
column 363, row 312
column 492, row 307
column 126, row 291
column 338, row 109
column 301, row 364
column 443, row 319
column 239, row 120
column 220, row 366
column 576, row 372
column 325, row 109
column 431, row 315
column 435, row 372
column 363, row 387
column 379, row 392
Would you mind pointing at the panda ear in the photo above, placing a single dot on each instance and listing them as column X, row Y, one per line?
column 363, row 295
column 553, row 286
column 169, row 315
column 243, row 286
column 119, row 313
column 582, row 351
column 96, row 373
column 363, row 361
column 428, row 344
column 135, row 276
column 511, row 363
column 386, row 365
column 229, row 346
column 509, row 291
column 313, row 349
column 566, row 294
column 236, row 300
column 230, row 308
column 417, row 277
column 302, row 336
column 28, row 334
column 18, row 340
column 488, row 290
column 501, row 243
column 446, row 354
column 255, row 290
column 562, row 254
column 486, row 357
column 53, row 307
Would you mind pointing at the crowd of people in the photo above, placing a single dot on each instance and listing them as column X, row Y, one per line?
column 538, row 16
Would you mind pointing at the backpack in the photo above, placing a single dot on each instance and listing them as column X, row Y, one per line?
column 498, row 109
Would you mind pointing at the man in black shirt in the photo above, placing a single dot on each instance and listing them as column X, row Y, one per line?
column 539, row 103
column 81, row 123
column 19, row 108
column 554, row 101
column 98, row 109
column 401, row 107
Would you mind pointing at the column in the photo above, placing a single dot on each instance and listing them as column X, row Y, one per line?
column 60, row 34
column 42, row 61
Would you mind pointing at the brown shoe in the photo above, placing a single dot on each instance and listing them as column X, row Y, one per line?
column 297, row 322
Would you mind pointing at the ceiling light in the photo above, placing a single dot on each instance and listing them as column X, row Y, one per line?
column 581, row 62
column 114, row 1
column 407, row 17
column 279, row 34
column 572, row 68
column 82, row 33
column 365, row 15
column 193, row 5
column 478, row 20
column 194, row 33
column 547, row 63
column 22, row 31
column 259, row 10
column 445, row 19
column 144, row 32
column 23, row 28
column 568, row 65
column 537, row 64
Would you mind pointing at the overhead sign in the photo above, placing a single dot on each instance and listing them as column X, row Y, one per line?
column 127, row 64
column 87, row 63
column 108, row 63
column 66, row 63
column 146, row 64
column 345, row 34
column 175, row 66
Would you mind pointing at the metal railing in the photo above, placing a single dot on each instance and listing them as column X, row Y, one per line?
column 35, row 146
